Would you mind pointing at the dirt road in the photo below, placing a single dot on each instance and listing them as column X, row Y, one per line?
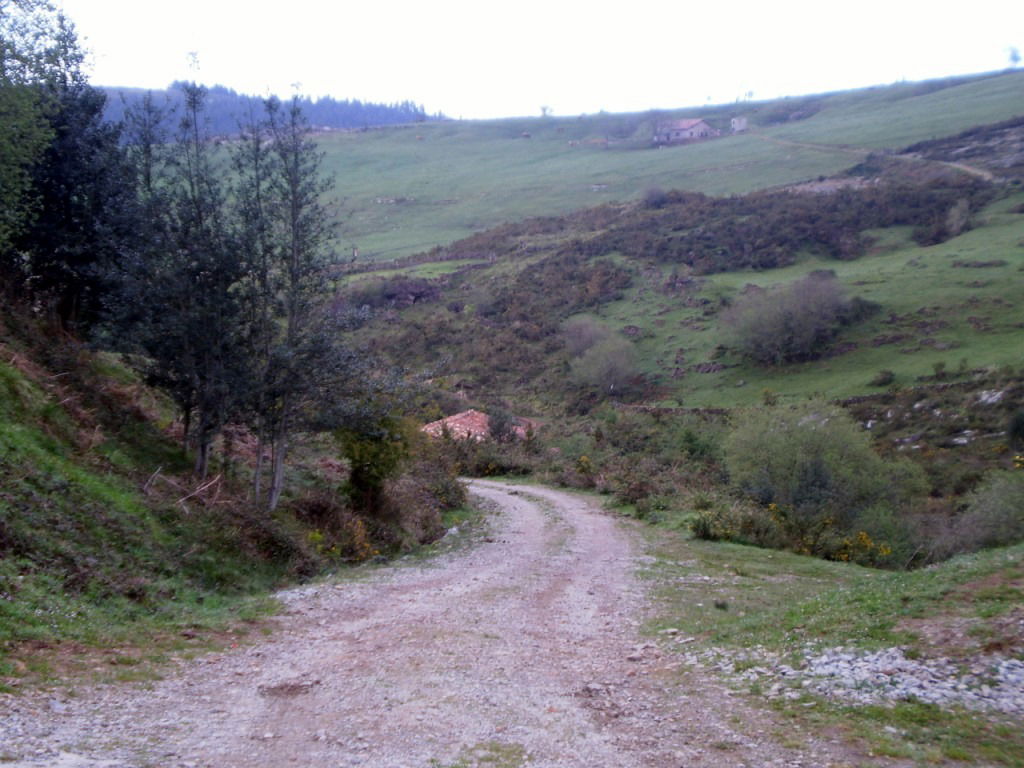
column 521, row 650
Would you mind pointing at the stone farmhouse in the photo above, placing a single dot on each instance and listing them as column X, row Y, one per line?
column 680, row 131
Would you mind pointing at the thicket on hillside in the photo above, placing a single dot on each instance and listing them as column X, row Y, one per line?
column 816, row 486
column 765, row 230
column 501, row 335
column 794, row 322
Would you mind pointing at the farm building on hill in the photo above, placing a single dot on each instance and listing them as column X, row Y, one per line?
column 472, row 425
column 678, row 131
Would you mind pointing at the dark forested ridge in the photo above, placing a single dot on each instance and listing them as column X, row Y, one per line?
column 227, row 109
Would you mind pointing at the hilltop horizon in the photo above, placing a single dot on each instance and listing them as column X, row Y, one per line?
column 543, row 111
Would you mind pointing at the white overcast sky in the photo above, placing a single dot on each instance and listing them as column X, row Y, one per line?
column 487, row 59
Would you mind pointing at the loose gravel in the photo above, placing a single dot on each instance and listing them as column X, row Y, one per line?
column 988, row 682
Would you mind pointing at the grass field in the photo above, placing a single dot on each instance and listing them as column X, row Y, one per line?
column 406, row 190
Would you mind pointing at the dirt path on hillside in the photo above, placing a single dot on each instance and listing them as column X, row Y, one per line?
column 521, row 650
column 861, row 153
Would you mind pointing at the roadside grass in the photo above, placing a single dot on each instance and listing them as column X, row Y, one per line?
column 914, row 731
column 735, row 598
column 783, row 602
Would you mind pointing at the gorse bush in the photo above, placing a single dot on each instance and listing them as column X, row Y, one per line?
column 818, row 486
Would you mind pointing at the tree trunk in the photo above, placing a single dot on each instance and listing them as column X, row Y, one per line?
column 277, row 476
column 186, row 425
column 202, row 457
column 257, row 475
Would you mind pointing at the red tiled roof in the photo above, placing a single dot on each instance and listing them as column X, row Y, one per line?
column 680, row 125
column 471, row 425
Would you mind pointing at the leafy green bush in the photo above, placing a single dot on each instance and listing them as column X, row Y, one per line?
column 814, row 476
column 995, row 512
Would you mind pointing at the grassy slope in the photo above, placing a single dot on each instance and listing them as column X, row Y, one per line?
column 956, row 316
column 449, row 180
column 85, row 555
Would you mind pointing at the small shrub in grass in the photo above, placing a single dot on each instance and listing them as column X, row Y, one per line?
column 739, row 522
column 995, row 512
column 581, row 332
column 883, row 378
column 1015, row 431
column 653, row 509
column 609, row 367
column 655, row 198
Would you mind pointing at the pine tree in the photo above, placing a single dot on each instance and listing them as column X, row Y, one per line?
column 287, row 235
column 178, row 303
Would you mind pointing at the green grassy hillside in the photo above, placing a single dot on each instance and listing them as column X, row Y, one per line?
column 955, row 304
column 496, row 324
column 102, row 541
column 404, row 190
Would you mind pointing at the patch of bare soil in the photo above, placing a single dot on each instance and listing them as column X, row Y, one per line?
column 523, row 650
column 962, row 632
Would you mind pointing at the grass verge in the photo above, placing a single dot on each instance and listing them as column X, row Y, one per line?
column 758, row 602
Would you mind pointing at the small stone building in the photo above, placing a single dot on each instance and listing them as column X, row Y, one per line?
column 680, row 131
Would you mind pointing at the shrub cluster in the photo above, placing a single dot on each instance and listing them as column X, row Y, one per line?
column 395, row 292
column 768, row 229
column 794, row 322
column 815, row 485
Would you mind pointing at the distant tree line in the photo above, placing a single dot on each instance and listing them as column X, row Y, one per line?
column 225, row 110
column 206, row 266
